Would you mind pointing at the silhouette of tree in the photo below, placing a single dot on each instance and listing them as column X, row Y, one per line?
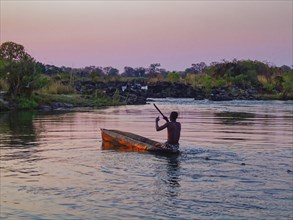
column 18, row 67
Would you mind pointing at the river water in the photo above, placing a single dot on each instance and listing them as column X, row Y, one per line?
column 236, row 162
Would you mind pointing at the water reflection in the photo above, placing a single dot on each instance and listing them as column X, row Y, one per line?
column 167, row 173
column 18, row 127
column 234, row 118
column 19, row 148
column 167, row 187
column 173, row 168
column 18, row 136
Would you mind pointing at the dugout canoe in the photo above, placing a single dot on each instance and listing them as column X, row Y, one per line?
column 132, row 141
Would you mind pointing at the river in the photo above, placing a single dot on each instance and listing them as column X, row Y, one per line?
column 236, row 162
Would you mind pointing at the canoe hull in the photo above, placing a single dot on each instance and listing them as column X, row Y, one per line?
column 131, row 141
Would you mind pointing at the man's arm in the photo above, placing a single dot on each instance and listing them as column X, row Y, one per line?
column 159, row 128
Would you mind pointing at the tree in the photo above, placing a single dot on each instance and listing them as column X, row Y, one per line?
column 110, row 71
column 128, row 72
column 153, row 70
column 196, row 68
column 199, row 67
column 140, row 71
column 12, row 52
column 18, row 68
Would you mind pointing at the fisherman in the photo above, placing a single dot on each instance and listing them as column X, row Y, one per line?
column 173, row 128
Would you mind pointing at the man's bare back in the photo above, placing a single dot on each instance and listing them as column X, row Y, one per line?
column 173, row 128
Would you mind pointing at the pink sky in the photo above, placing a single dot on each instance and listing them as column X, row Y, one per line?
column 138, row 33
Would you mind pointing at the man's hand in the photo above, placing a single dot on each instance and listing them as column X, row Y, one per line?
column 166, row 119
column 158, row 119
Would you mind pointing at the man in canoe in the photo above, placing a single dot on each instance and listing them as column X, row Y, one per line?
column 173, row 128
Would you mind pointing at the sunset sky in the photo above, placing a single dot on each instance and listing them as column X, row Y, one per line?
column 138, row 33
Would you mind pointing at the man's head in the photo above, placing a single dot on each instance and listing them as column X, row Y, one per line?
column 173, row 116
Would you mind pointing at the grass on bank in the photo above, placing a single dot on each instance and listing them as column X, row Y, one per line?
column 35, row 100
column 56, row 91
column 57, row 88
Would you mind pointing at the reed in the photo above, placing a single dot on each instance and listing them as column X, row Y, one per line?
column 57, row 88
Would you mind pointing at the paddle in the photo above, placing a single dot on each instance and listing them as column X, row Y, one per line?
column 161, row 113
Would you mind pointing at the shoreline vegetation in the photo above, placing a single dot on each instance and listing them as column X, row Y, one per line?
column 26, row 84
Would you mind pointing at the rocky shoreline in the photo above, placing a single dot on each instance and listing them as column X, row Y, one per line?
column 137, row 92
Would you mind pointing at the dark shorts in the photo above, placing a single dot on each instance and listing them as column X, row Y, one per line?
column 171, row 147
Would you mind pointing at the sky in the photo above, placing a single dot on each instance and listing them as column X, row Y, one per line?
column 175, row 34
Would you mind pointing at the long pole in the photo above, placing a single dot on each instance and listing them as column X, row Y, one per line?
column 159, row 111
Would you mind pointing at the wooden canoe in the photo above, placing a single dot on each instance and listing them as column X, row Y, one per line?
column 131, row 141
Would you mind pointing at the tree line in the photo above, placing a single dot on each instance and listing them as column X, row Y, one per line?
column 21, row 74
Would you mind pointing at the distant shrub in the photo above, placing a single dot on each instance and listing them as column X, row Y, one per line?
column 173, row 77
column 204, row 81
column 26, row 102
column 269, row 86
column 288, row 83
column 191, row 79
column 62, row 76
column 238, row 80
column 266, row 83
column 41, row 81
column 196, row 80
column 251, row 77
column 219, row 82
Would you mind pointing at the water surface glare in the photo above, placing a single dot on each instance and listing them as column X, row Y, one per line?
column 236, row 162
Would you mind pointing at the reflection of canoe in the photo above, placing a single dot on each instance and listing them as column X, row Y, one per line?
column 133, row 142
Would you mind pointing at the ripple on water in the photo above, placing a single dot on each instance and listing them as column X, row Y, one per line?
column 234, row 164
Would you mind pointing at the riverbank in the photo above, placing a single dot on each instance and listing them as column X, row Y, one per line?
column 53, row 102
column 47, row 87
column 100, row 94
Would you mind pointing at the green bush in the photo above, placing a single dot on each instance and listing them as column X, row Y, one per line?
column 219, row 82
column 267, row 83
column 251, row 77
column 238, row 80
column 191, row 79
column 26, row 102
column 173, row 77
column 62, row 76
column 288, row 83
column 198, row 80
column 269, row 86
column 41, row 82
